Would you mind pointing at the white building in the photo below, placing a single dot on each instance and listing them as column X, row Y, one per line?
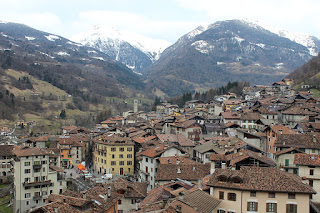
column 34, row 180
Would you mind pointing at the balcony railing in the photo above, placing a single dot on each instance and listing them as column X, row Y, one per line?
column 37, row 166
column 38, row 183
column 37, row 197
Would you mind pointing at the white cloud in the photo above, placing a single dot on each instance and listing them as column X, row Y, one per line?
column 42, row 21
column 296, row 14
column 170, row 30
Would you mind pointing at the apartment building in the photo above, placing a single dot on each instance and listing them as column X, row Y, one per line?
column 6, row 157
column 114, row 155
column 258, row 189
column 34, row 180
column 71, row 151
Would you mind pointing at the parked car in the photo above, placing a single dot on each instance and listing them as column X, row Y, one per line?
column 107, row 176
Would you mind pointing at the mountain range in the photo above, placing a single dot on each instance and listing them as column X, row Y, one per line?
column 208, row 56
column 135, row 51
column 108, row 62
column 225, row 51
column 30, row 58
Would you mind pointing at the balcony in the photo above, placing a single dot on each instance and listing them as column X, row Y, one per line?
column 37, row 166
column 37, row 197
column 38, row 183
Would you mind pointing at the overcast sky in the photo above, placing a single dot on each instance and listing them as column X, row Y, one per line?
column 165, row 19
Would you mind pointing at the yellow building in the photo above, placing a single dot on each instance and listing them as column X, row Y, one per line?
column 114, row 155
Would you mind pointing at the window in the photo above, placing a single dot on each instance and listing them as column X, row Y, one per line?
column 112, row 156
column 121, row 149
column 129, row 163
column 119, row 202
column 27, row 163
column 121, row 163
column 232, row 196
column 44, row 169
column 271, row 207
column 121, row 156
column 113, row 163
column 311, row 171
column 253, row 194
column 286, row 162
column 252, row 206
column 147, row 160
column 151, row 160
column 221, row 195
column 129, row 155
column 27, row 203
column 44, row 162
column 271, row 195
column 120, row 211
column 44, row 193
column 311, row 183
column 113, row 149
column 129, row 149
column 291, row 208
column 26, row 195
column 221, row 211
column 291, row 196
column 26, row 171
column 133, row 201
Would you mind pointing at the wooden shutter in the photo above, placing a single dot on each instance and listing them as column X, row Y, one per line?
column 256, row 206
column 248, row 206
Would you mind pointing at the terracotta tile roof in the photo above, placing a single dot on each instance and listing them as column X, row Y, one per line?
column 132, row 189
column 298, row 111
column 284, row 151
column 298, row 141
column 189, row 172
column 73, row 201
column 100, row 194
column 315, row 126
column 307, row 159
column 155, row 195
column 260, row 179
column 235, row 158
column 155, row 151
column 185, row 124
column 179, row 138
column 208, row 147
column 56, row 207
column 200, row 201
column 176, row 160
column 22, row 151
column 6, row 150
column 56, row 168
column 280, row 129
column 115, row 140
column 251, row 116
column 230, row 115
column 144, row 139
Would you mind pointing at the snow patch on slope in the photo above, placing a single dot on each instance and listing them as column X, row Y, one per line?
column 203, row 46
column 52, row 37
column 29, row 38
column 113, row 37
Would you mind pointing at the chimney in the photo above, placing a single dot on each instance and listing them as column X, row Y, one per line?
column 56, row 210
column 84, row 195
column 178, row 161
column 314, row 140
column 280, row 131
column 109, row 191
column 223, row 165
column 179, row 171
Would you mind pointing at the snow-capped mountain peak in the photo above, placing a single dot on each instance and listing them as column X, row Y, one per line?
column 114, row 42
column 311, row 42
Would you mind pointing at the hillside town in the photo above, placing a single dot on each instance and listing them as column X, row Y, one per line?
column 258, row 152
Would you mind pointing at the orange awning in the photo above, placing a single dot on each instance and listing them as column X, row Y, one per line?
column 81, row 167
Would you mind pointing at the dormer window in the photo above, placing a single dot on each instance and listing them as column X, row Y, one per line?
column 236, row 180
column 222, row 178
